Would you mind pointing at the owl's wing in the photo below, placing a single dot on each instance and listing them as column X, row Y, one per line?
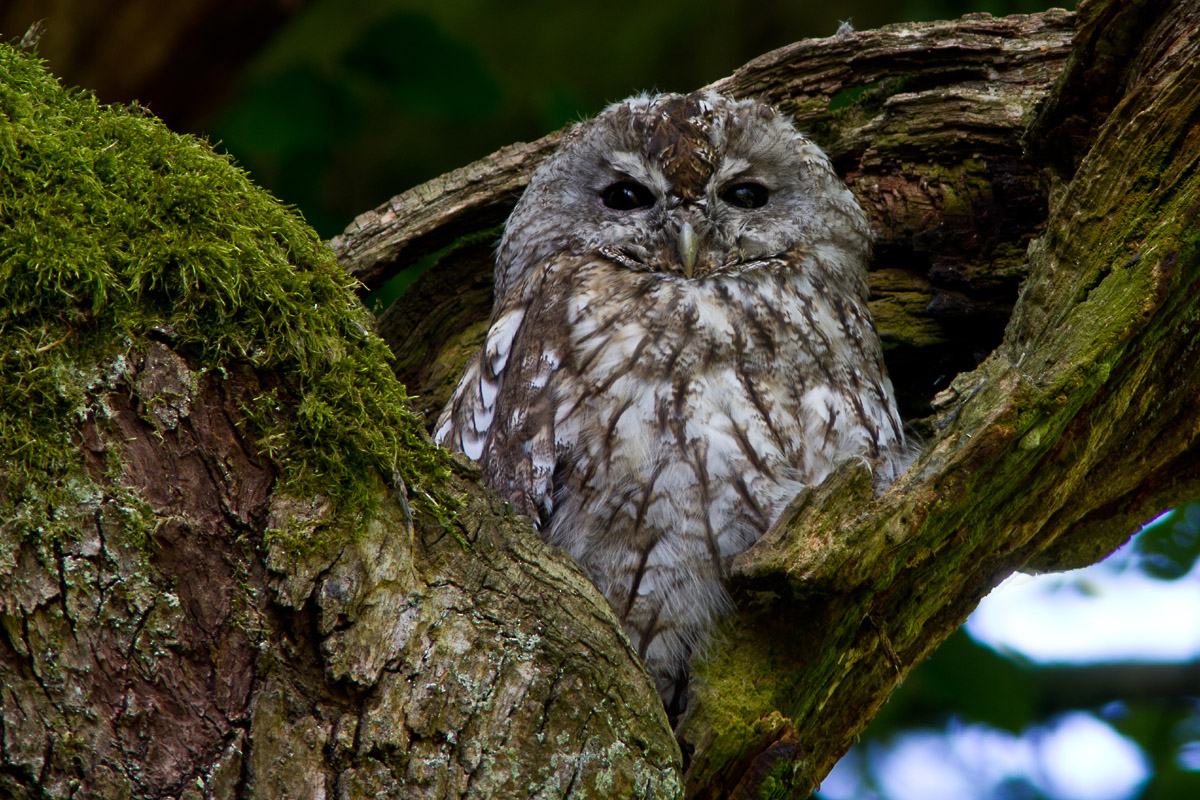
column 502, row 414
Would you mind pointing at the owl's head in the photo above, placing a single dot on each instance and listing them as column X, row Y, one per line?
column 688, row 185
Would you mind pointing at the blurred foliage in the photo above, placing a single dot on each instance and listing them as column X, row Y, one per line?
column 950, row 683
column 1164, row 731
column 969, row 684
column 351, row 104
column 1169, row 546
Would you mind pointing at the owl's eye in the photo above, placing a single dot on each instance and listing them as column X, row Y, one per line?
column 626, row 196
column 746, row 195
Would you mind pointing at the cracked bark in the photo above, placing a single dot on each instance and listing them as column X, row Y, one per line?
column 184, row 658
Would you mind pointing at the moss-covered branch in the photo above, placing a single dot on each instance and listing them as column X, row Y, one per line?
column 1078, row 428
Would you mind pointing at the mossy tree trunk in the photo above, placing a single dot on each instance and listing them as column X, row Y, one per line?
column 193, row 607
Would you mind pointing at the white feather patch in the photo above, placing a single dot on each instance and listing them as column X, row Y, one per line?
column 488, row 391
column 472, row 444
column 482, row 419
column 500, row 339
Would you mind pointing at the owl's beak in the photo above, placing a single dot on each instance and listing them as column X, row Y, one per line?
column 688, row 244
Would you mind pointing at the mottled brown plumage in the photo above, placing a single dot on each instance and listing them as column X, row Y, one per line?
column 680, row 342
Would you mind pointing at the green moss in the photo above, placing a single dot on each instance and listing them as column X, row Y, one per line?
column 114, row 231
column 853, row 95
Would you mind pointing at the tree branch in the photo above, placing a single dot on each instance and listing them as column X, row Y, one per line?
column 227, row 566
column 924, row 121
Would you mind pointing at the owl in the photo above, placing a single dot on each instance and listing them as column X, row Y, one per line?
column 680, row 343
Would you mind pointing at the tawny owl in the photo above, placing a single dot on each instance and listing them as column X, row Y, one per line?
column 680, row 342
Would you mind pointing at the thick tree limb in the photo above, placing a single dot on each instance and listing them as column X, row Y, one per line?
column 179, row 619
column 228, row 566
column 1034, row 462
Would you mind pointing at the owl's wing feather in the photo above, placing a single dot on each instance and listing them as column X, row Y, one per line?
column 465, row 421
column 502, row 412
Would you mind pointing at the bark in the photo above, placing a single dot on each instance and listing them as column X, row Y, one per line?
column 185, row 619
column 231, row 562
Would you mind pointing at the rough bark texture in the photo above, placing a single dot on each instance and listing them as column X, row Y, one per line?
column 1080, row 426
column 413, row 662
column 227, row 562
column 180, row 621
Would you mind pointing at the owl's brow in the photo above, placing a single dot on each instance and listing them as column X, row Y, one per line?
column 678, row 140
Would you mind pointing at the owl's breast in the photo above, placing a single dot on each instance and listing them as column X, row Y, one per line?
column 686, row 407
column 710, row 403
column 624, row 319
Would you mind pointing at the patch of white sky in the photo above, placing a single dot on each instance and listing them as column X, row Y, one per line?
column 1109, row 611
